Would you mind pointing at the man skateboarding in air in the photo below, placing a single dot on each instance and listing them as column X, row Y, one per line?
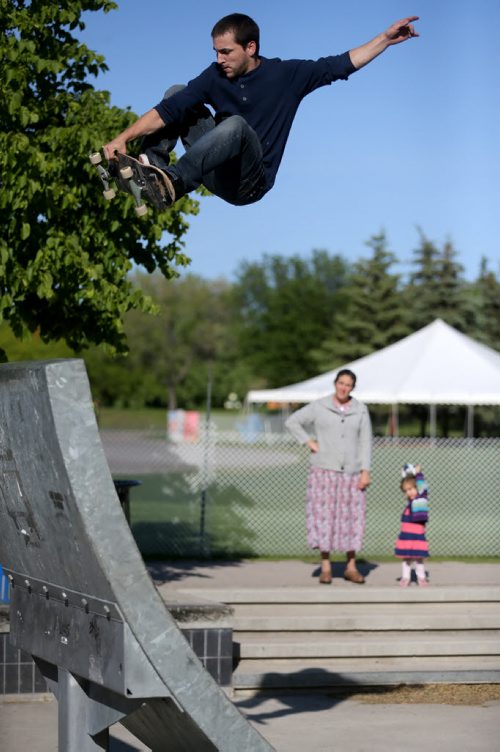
column 236, row 151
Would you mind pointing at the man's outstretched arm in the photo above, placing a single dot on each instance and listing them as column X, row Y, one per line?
column 398, row 32
column 146, row 124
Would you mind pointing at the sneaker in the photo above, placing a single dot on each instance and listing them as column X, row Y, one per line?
column 175, row 185
column 403, row 582
column 422, row 582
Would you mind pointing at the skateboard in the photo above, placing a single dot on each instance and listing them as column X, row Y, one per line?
column 129, row 175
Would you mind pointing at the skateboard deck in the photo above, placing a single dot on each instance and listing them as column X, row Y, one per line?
column 129, row 175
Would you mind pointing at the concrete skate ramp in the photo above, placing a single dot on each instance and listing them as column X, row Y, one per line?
column 82, row 601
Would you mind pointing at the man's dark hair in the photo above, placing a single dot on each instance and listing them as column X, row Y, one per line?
column 243, row 27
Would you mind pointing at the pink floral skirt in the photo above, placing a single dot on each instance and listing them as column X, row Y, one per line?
column 336, row 509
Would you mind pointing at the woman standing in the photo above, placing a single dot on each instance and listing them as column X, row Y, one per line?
column 340, row 444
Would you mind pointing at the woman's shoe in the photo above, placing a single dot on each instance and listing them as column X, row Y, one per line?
column 422, row 582
column 325, row 578
column 354, row 576
column 403, row 582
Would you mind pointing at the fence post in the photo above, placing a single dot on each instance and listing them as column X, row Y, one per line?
column 204, row 548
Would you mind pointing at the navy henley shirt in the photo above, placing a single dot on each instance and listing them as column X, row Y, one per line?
column 267, row 97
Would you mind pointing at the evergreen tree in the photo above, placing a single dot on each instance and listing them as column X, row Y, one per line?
column 437, row 289
column 485, row 293
column 373, row 315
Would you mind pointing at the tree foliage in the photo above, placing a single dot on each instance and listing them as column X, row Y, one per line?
column 437, row 288
column 188, row 335
column 286, row 308
column 485, row 300
column 373, row 315
column 66, row 253
column 173, row 354
column 283, row 320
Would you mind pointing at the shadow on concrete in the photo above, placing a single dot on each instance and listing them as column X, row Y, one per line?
column 177, row 570
column 309, row 691
column 338, row 568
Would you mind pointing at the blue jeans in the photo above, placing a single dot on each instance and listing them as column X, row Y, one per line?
column 225, row 157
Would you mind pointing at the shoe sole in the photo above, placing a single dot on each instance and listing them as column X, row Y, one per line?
column 147, row 182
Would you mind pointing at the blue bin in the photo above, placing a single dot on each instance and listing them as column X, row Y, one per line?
column 4, row 587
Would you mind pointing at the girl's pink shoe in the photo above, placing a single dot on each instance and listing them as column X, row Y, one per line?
column 403, row 582
column 423, row 582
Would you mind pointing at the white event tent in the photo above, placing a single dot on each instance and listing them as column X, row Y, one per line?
column 437, row 365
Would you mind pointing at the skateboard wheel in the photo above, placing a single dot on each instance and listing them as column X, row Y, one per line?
column 126, row 172
column 141, row 210
column 95, row 158
column 109, row 194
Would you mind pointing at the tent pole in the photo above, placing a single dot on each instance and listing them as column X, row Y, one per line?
column 432, row 421
column 395, row 420
column 470, row 421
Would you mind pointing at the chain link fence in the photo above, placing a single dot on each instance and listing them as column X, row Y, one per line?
column 242, row 494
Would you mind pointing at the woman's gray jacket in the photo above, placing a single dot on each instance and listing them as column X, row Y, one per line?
column 344, row 437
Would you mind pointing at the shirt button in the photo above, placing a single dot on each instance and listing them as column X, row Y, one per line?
column 244, row 99
column 242, row 86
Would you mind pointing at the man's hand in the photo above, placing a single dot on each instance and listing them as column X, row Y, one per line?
column 118, row 144
column 398, row 32
column 148, row 123
column 401, row 31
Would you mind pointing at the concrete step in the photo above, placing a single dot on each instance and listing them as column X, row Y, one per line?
column 358, row 617
column 348, row 593
column 345, row 635
column 301, row 645
column 320, row 673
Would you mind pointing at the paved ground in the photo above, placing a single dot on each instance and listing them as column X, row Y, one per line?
column 298, row 723
column 426, row 719
column 138, row 452
column 293, row 573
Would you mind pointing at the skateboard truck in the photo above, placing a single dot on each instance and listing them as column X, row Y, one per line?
column 125, row 178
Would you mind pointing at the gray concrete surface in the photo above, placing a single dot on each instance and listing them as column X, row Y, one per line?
column 294, row 573
column 297, row 723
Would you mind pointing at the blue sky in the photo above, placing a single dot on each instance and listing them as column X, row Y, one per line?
column 409, row 141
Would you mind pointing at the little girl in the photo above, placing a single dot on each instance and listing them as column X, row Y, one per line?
column 411, row 545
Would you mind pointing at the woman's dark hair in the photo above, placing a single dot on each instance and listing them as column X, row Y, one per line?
column 346, row 372
column 244, row 28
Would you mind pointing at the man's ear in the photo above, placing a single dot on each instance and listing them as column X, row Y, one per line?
column 251, row 48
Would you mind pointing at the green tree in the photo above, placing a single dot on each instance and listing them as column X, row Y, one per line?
column 32, row 347
column 187, row 338
column 374, row 314
column 66, row 253
column 171, row 354
column 485, row 293
column 436, row 288
column 285, row 309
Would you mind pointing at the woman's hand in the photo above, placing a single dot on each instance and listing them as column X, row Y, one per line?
column 313, row 445
column 364, row 480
